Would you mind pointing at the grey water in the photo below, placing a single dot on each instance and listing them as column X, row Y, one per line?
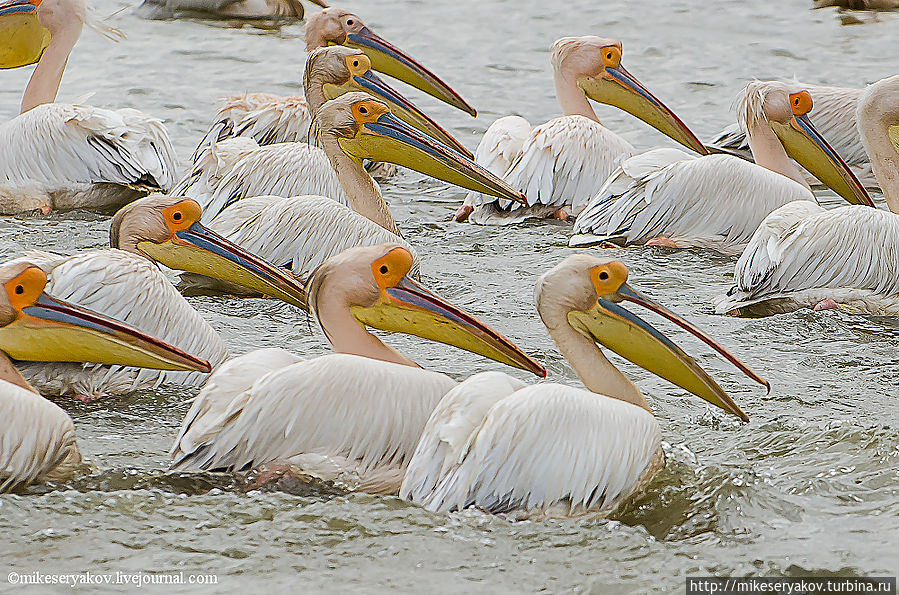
column 808, row 487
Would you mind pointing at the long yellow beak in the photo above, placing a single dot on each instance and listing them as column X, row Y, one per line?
column 202, row 251
column 390, row 139
column 805, row 144
column 22, row 38
column 392, row 61
column 48, row 329
column 409, row 308
column 616, row 86
column 369, row 82
column 633, row 338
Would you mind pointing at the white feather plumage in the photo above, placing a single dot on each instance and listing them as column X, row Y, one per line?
column 715, row 201
column 57, row 154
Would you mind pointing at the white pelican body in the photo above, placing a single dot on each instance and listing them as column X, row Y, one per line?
column 803, row 256
column 62, row 156
column 553, row 450
column 715, row 201
column 353, row 416
column 298, row 233
column 669, row 198
column 834, row 117
column 130, row 288
column 40, row 444
column 560, row 165
column 228, row 9
column 37, row 438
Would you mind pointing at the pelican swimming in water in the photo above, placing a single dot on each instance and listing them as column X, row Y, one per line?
column 62, row 155
column 125, row 283
column 803, row 256
column 38, row 437
column 269, row 119
column 561, row 164
column 834, row 117
column 229, row 9
column 301, row 232
column 353, row 416
column 666, row 197
column 236, row 168
column 554, row 450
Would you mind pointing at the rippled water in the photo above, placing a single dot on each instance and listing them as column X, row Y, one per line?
column 809, row 486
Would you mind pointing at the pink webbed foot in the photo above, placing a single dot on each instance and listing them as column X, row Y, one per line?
column 46, row 210
column 827, row 304
column 268, row 475
column 662, row 241
column 86, row 398
column 562, row 214
column 461, row 215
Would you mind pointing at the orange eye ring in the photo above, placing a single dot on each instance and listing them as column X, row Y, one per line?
column 182, row 215
column 358, row 64
column 801, row 103
column 392, row 267
column 608, row 277
column 369, row 110
column 24, row 289
column 611, row 56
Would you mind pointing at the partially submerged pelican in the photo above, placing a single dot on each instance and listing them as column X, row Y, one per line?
column 353, row 416
column 669, row 198
column 229, row 170
column 38, row 437
column 61, row 155
column 125, row 283
column 561, row 164
column 305, row 230
column 228, row 9
column 269, row 119
column 803, row 256
column 834, row 117
column 554, row 450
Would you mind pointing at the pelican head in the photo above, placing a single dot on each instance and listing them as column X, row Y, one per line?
column 785, row 108
column 591, row 291
column 364, row 128
column 338, row 69
column 335, row 26
column 878, row 123
column 595, row 63
column 372, row 282
column 37, row 327
column 166, row 229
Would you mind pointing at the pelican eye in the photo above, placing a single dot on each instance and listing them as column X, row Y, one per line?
column 604, row 275
column 176, row 216
column 356, row 63
column 383, row 269
column 19, row 290
column 350, row 22
column 609, row 56
column 363, row 110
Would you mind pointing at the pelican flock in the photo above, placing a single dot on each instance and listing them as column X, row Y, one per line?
column 281, row 200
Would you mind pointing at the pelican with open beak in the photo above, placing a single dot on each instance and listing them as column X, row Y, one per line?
column 38, row 437
column 554, row 450
column 562, row 164
column 719, row 201
column 354, row 416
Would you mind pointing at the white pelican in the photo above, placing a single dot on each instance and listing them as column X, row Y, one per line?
column 666, row 197
column 848, row 258
column 834, row 116
column 125, row 283
column 306, row 230
column 228, row 9
column 561, row 164
column 859, row 4
column 230, row 170
column 38, row 438
column 554, row 450
column 60, row 155
column 269, row 118
column 354, row 416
